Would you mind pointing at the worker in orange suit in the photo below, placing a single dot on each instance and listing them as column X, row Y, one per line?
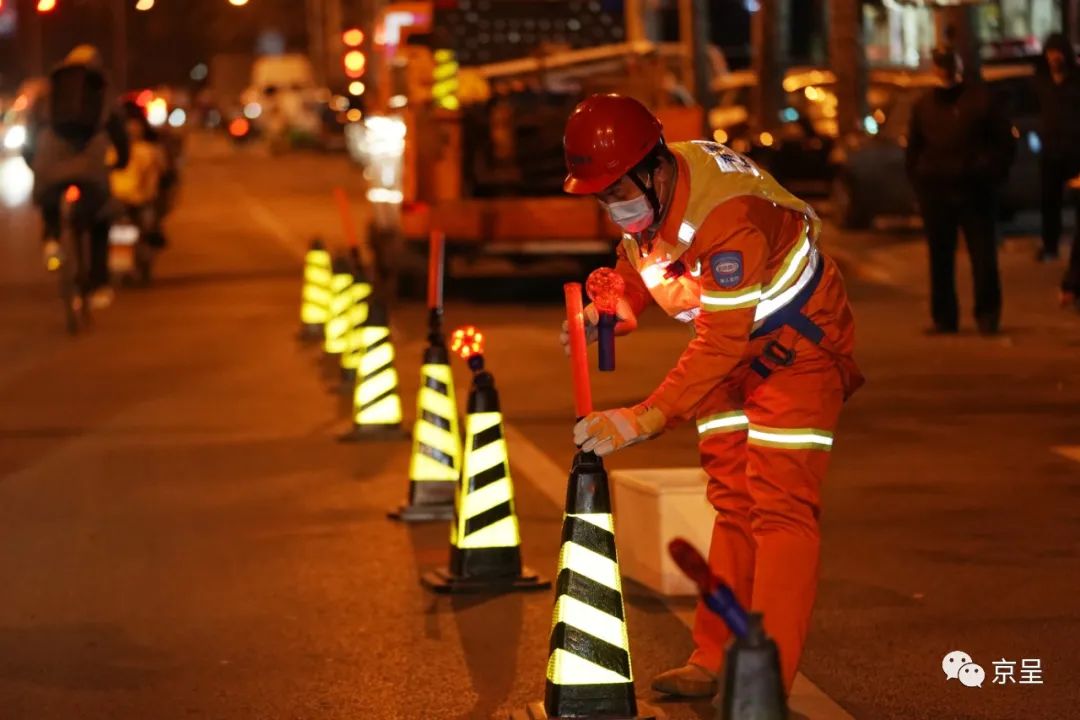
column 718, row 244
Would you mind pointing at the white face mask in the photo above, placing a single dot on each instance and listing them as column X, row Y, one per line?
column 632, row 215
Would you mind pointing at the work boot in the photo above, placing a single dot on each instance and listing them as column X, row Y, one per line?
column 688, row 681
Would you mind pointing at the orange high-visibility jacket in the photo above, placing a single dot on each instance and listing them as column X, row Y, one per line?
column 734, row 249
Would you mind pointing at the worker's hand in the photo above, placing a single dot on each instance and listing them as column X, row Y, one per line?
column 605, row 432
column 626, row 324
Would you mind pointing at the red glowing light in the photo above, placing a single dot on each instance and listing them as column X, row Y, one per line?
column 605, row 287
column 692, row 563
column 72, row 194
column 467, row 341
column 143, row 99
column 239, row 127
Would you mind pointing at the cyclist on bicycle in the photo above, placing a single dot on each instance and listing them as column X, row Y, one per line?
column 69, row 134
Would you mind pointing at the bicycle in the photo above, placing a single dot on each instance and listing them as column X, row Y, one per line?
column 72, row 264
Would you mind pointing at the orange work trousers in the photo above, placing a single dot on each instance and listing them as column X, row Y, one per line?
column 765, row 445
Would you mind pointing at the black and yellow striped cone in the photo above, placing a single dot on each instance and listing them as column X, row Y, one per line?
column 436, row 455
column 376, row 412
column 341, row 301
column 588, row 672
column 354, row 337
column 315, row 297
column 485, row 542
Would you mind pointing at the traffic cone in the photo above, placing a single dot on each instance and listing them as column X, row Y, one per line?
column 588, row 672
column 337, row 322
column 436, row 455
column 315, row 297
column 376, row 403
column 485, row 542
column 357, row 316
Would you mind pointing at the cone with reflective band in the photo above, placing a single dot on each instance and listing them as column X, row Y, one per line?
column 354, row 337
column 341, row 301
column 485, row 543
column 436, row 454
column 588, row 672
column 315, row 297
column 376, row 403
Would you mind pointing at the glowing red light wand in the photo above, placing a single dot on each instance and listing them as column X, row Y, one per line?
column 579, row 357
column 605, row 288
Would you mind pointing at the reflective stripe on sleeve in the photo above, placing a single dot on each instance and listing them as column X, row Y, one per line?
column 745, row 297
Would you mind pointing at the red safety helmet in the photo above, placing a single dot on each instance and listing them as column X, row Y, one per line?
column 606, row 136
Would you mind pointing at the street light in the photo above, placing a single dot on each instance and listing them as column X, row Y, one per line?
column 144, row 4
column 46, row 6
column 355, row 63
column 238, row 3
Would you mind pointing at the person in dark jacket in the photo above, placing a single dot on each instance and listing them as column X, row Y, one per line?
column 960, row 147
column 70, row 131
column 1058, row 86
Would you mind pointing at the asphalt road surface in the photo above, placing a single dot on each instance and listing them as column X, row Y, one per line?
column 181, row 535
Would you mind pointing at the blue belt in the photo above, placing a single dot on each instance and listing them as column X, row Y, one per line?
column 791, row 315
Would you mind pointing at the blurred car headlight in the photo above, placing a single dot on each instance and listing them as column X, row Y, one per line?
column 1034, row 142
column 15, row 137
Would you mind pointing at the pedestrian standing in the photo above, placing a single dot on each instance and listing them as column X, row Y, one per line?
column 1058, row 86
column 960, row 147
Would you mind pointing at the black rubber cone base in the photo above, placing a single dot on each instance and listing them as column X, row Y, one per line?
column 367, row 433
column 428, row 500
column 443, row 582
column 536, row 711
column 421, row 513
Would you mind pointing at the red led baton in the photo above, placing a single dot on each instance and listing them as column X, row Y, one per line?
column 579, row 358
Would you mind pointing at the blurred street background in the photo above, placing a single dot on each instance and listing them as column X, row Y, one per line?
column 181, row 533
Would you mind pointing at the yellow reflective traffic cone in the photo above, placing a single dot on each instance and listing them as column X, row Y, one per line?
column 436, row 455
column 485, row 543
column 357, row 316
column 315, row 297
column 588, row 672
column 376, row 403
column 341, row 300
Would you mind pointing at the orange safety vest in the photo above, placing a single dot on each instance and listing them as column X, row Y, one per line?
column 718, row 174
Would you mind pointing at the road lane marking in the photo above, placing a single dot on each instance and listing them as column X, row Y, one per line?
column 545, row 474
column 1070, row 451
column 266, row 217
